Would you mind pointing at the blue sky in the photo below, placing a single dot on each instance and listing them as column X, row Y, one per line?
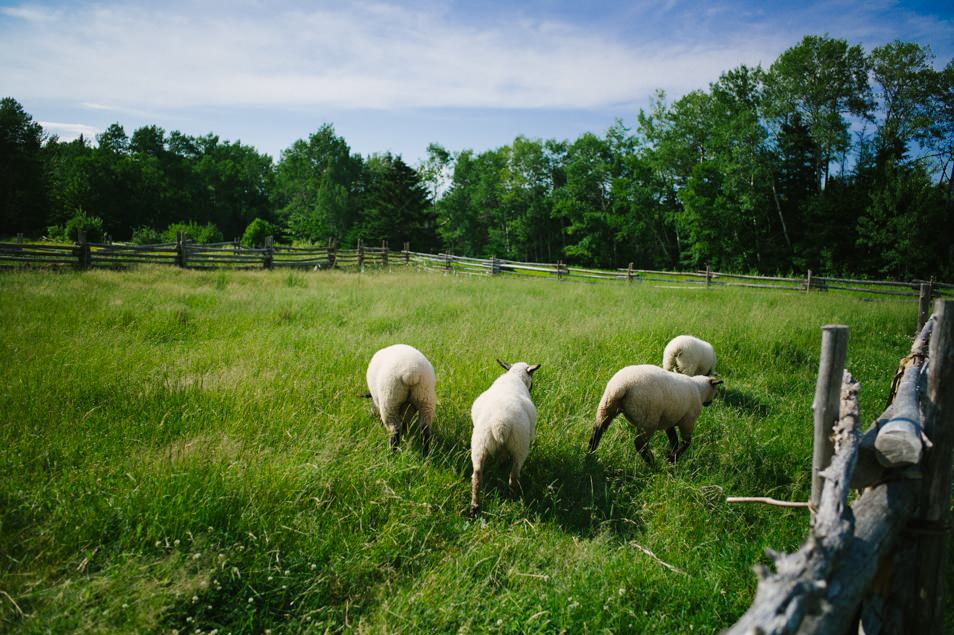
column 395, row 76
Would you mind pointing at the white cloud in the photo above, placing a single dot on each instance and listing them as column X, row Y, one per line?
column 70, row 131
column 30, row 13
column 349, row 56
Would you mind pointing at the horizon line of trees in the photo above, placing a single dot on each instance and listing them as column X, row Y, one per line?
column 831, row 159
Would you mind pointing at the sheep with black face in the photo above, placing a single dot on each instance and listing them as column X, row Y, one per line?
column 654, row 399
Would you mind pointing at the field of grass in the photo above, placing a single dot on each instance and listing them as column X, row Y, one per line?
column 186, row 451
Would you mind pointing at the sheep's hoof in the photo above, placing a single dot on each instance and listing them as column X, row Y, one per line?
column 474, row 510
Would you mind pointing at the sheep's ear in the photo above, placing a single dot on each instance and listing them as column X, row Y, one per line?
column 714, row 381
column 504, row 364
column 533, row 369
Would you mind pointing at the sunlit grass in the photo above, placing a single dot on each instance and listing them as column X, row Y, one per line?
column 184, row 450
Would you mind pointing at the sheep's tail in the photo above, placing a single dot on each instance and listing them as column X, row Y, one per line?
column 605, row 413
column 671, row 359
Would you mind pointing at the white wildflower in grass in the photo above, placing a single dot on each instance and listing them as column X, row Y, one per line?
column 622, row 591
column 250, row 600
column 314, row 566
column 270, row 578
column 196, row 555
column 176, row 542
column 195, row 598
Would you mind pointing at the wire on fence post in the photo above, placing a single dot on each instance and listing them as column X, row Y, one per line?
column 831, row 368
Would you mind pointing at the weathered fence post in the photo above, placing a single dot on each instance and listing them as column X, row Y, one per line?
column 407, row 253
column 831, row 366
column 269, row 252
column 384, row 253
column 20, row 238
column 447, row 263
column 180, row 249
column 236, row 245
column 559, row 269
column 924, row 303
column 360, row 255
column 332, row 258
column 932, row 522
column 808, row 282
column 629, row 273
column 708, row 276
column 494, row 266
column 83, row 251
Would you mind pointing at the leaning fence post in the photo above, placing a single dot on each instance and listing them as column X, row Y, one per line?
column 267, row 258
column 924, row 304
column 933, row 519
column 831, row 366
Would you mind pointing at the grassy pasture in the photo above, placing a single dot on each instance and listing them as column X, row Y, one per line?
column 183, row 450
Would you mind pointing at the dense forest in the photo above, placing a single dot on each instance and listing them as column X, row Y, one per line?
column 832, row 159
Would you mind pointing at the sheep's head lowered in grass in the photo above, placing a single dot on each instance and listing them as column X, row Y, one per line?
column 708, row 389
column 523, row 370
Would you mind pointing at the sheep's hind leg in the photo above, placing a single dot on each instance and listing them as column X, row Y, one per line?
column 393, row 424
column 475, row 486
column 424, row 420
column 514, row 481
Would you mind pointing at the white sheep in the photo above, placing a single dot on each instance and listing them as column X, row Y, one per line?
column 654, row 399
column 689, row 355
column 401, row 383
column 504, row 417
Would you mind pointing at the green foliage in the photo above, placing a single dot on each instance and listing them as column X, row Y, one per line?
column 80, row 221
column 257, row 231
column 189, row 454
column 762, row 171
column 146, row 236
column 207, row 233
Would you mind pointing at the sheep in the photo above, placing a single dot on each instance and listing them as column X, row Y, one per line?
column 654, row 399
column 504, row 417
column 401, row 383
column 689, row 355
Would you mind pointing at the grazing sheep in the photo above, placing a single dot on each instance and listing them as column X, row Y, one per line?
column 690, row 356
column 401, row 383
column 504, row 417
column 654, row 399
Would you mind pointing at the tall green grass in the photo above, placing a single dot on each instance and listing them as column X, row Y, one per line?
column 184, row 450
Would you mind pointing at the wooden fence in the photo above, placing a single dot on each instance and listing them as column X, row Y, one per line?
column 232, row 255
column 878, row 565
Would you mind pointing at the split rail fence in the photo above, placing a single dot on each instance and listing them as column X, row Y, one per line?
column 877, row 565
column 232, row 255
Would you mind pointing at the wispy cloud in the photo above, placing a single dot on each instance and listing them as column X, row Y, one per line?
column 31, row 13
column 356, row 56
column 70, row 131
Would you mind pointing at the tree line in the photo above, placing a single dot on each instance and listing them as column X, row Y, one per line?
column 833, row 159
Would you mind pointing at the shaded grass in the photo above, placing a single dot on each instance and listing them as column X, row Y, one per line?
column 185, row 450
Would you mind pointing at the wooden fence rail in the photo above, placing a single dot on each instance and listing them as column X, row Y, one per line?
column 878, row 565
column 231, row 255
